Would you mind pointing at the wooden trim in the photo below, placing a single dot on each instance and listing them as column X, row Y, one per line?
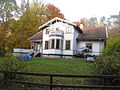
column 56, row 35
column 58, row 54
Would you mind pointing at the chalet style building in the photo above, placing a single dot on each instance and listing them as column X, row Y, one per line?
column 60, row 38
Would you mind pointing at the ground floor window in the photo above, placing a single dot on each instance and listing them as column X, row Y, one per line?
column 52, row 43
column 57, row 44
column 89, row 46
column 67, row 45
column 46, row 44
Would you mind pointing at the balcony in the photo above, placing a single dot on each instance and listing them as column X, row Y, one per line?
column 56, row 33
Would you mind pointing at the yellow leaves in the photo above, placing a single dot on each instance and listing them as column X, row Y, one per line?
column 13, row 64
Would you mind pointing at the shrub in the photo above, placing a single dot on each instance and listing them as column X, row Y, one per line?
column 13, row 64
column 107, row 65
column 112, row 47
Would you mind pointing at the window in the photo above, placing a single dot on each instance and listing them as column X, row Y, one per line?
column 57, row 29
column 57, row 44
column 52, row 43
column 67, row 45
column 89, row 46
column 47, row 31
column 46, row 44
column 68, row 30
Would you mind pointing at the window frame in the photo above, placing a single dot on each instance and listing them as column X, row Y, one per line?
column 46, row 45
column 68, row 30
column 67, row 44
column 57, row 43
column 47, row 31
column 52, row 43
column 89, row 46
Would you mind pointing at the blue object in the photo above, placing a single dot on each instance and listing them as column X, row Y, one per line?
column 25, row 58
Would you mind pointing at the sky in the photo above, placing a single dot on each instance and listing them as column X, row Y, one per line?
column 73, row 10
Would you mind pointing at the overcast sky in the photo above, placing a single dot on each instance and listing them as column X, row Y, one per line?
column 73, row 10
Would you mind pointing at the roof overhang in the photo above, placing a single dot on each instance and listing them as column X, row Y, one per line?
column 54, row 20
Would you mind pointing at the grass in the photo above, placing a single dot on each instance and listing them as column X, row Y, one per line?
column 60, row 66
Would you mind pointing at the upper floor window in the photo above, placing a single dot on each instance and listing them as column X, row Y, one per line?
column 68, row 30
column 57, row 29
column 67, row 45
column 89, row 46
column 47, row 31
column 46, row 44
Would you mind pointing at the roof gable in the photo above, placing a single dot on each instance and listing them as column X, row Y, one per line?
column 54, row 20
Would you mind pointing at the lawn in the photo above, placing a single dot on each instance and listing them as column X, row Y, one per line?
column 60, row 66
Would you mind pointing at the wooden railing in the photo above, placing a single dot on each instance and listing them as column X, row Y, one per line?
column 10, row 77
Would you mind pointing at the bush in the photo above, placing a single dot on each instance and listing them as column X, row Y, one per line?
column 13, row 64
column 108, row 65
column 112, row 47
column 109, row 62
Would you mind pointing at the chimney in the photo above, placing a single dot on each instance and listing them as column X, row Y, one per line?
column 81, row 26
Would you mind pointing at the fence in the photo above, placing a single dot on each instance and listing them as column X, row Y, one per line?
column 8, row 77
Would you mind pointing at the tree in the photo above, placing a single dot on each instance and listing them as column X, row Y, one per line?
column 109, row 62
column 93, row 22
column 26, row 26
column 53, row 12
column 8, row 9
column 115, row 30
column 83, row 21
column 102, row 22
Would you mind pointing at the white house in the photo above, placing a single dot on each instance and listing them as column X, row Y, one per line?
column 61, row 38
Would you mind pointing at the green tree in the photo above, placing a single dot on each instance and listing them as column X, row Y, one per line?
column 27, row 25
column 109, row 62
column 8, row 9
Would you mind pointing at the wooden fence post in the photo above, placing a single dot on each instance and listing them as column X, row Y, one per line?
column 5, row 78
column 51, row 81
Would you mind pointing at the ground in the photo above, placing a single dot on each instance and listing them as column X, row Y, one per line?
column 59, row 66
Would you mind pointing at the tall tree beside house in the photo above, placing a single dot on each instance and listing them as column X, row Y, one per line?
column 27, row 25
column 102, row 22
column 8, row 9
column 115, row 30
column 53, row 12
column 109, row 62
column 93, row 22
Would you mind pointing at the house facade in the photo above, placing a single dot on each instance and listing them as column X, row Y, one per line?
column 60, row 38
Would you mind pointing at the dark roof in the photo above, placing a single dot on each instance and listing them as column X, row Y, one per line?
column 96, row 33
column 36, row 37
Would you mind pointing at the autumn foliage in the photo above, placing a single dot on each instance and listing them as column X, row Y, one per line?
column 54, row 12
